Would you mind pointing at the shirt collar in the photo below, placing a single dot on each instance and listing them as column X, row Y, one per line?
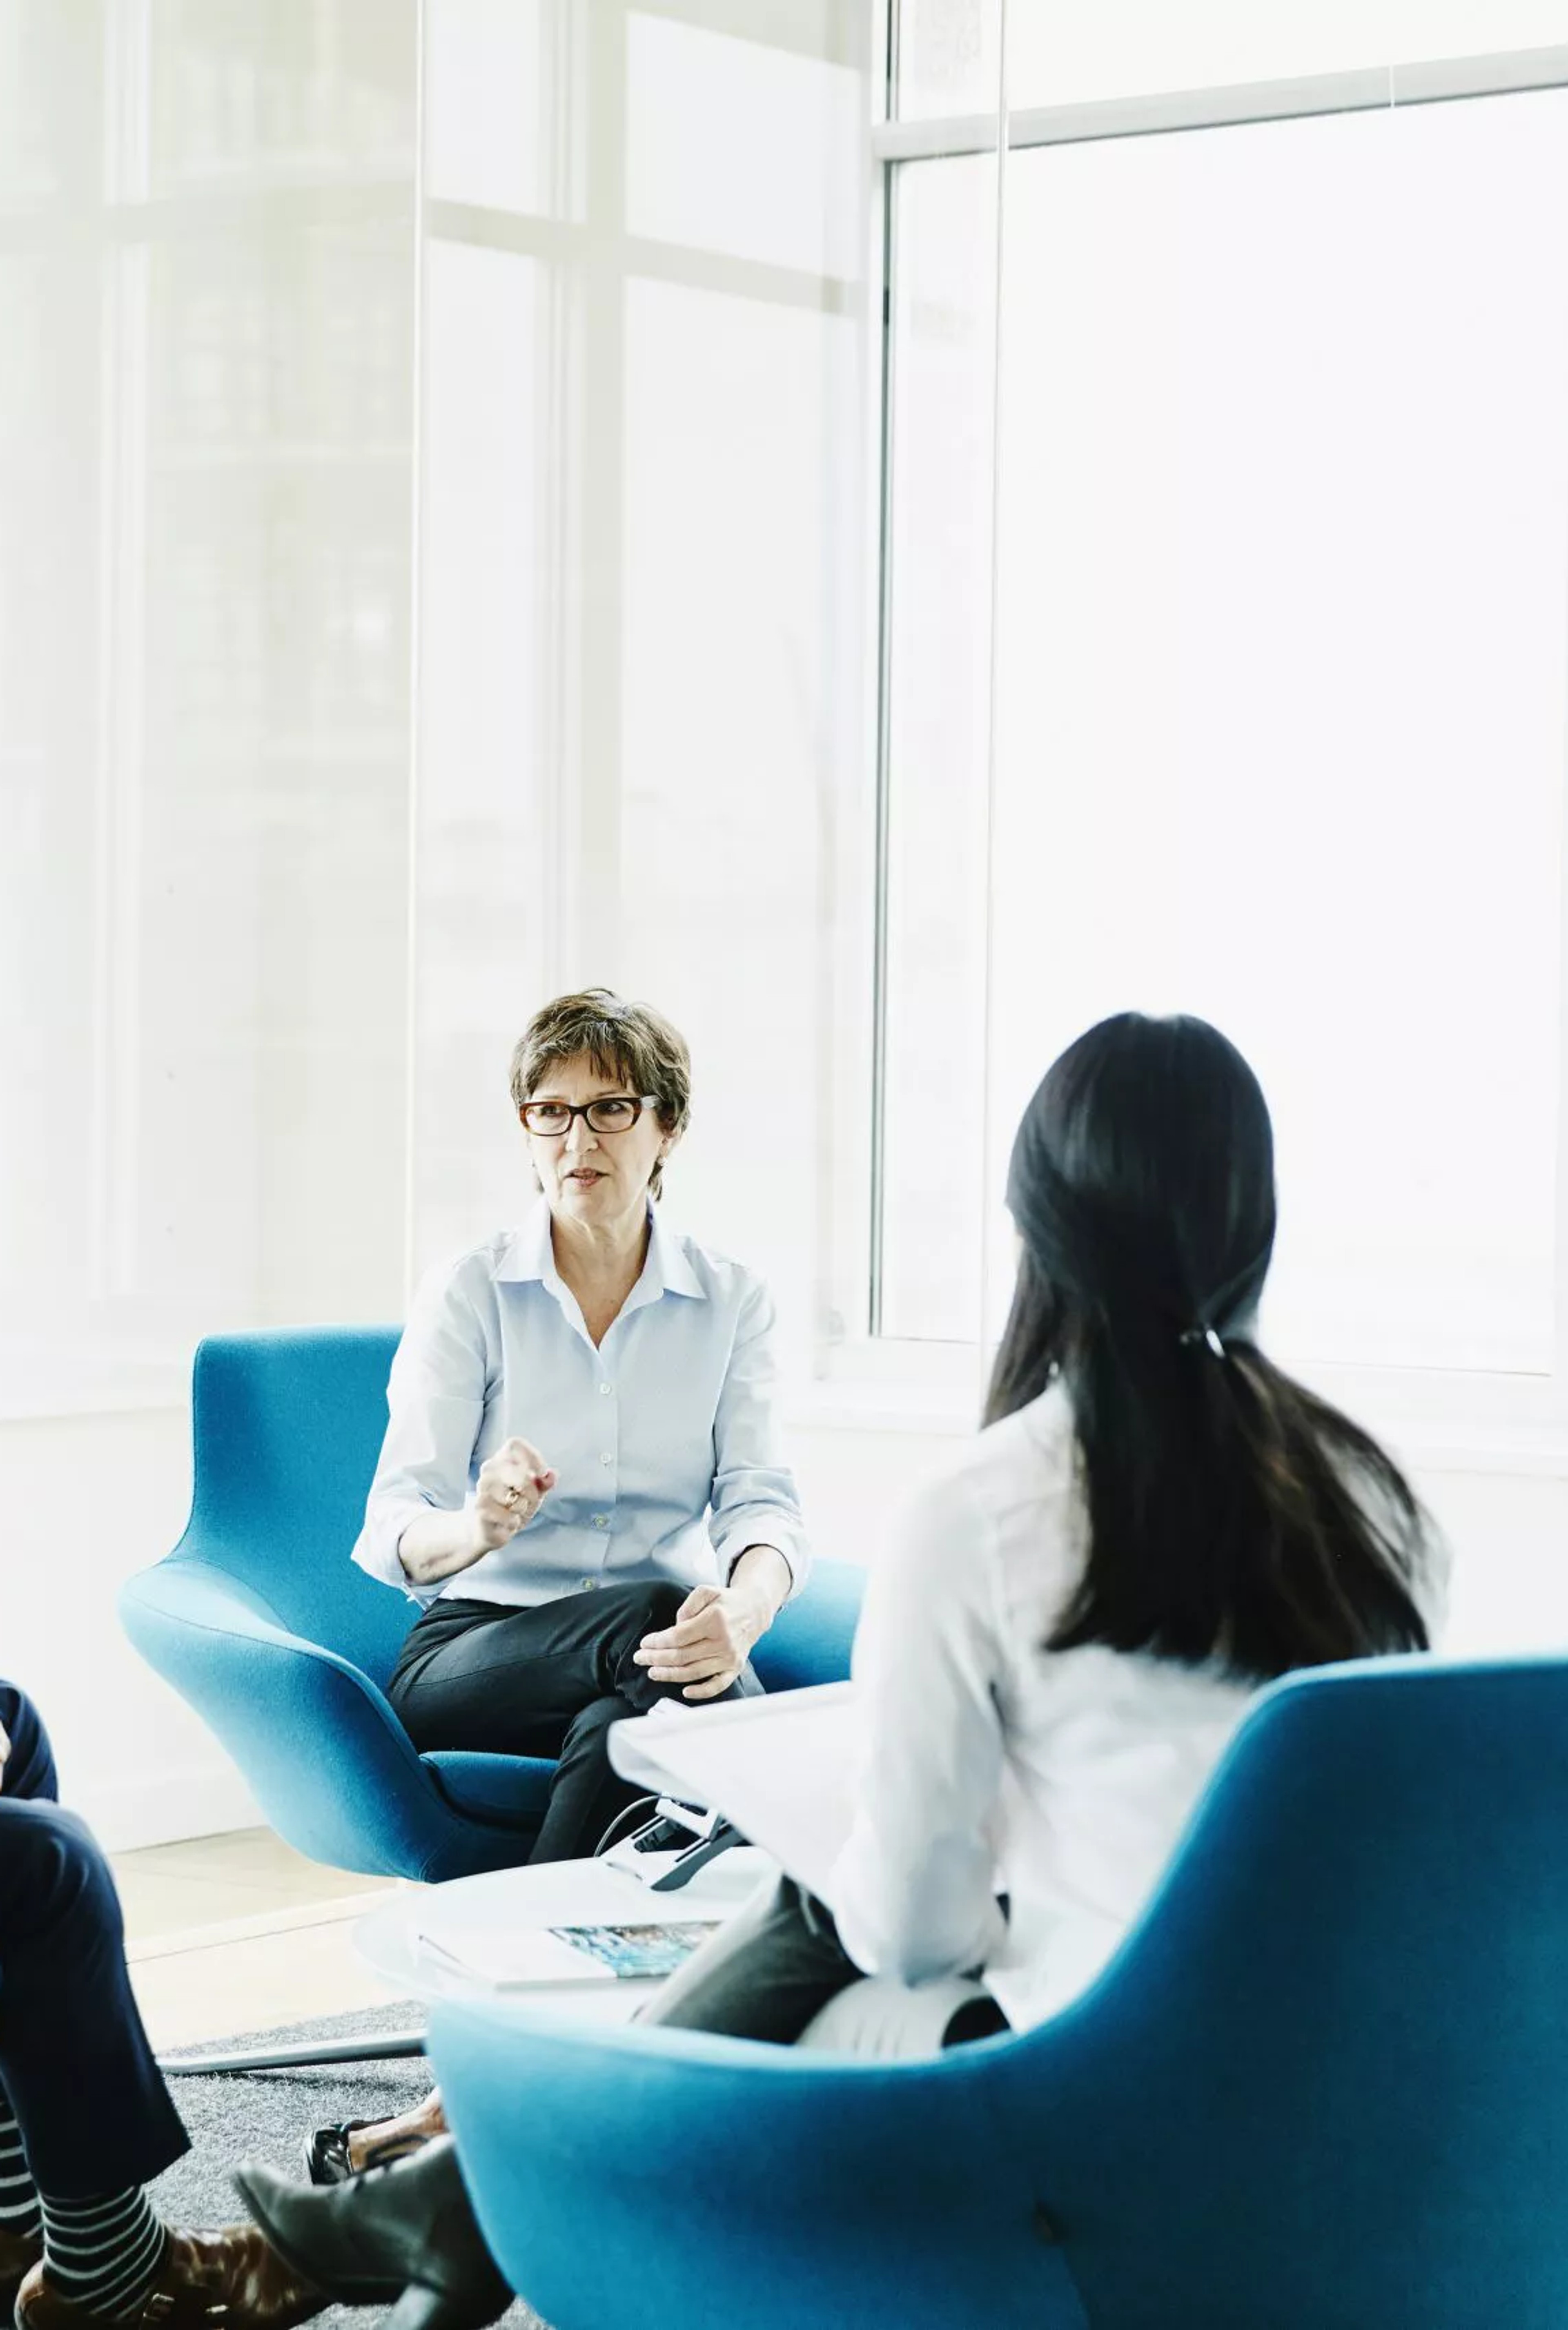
column 528, row 1254
column 669, row 1255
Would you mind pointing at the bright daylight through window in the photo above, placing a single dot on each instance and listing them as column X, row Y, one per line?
column 1281, row 664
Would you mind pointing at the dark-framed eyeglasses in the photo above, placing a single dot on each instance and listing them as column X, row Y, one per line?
column 613, row 1112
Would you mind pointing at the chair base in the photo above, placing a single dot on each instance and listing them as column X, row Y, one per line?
column 384, row 2049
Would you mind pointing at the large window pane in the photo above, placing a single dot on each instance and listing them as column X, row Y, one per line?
column 1281, row 731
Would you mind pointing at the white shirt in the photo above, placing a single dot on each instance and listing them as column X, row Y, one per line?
column 665, row 1439
column 1063, row 1777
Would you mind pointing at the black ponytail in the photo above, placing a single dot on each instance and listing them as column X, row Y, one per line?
column 1231, row 1514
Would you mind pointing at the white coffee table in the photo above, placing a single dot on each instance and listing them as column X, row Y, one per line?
column 560, row 1893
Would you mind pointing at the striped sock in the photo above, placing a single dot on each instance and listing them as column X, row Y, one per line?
column 18, row 2194
column 103, row 2254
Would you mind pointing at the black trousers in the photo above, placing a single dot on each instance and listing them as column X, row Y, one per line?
column 89, row 2101
column 545, row 1682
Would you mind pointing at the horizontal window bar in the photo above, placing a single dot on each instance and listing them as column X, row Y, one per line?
column 1228, row 107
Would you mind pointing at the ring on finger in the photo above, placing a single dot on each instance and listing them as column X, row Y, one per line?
column 511, row 1496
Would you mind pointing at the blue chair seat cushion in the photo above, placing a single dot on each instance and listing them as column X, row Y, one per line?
column 507, row 1791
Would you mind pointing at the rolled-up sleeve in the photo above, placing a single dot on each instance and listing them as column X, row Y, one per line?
column 914, row 1888
column 436, row 1404
column 753, row 1500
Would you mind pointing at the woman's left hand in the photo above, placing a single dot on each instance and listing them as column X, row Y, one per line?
column 711, row 1639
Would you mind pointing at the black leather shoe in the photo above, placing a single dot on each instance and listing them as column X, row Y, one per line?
column 405, row 2233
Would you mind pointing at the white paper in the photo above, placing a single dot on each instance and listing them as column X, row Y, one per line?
column 513, row 1957
column 781, row 1768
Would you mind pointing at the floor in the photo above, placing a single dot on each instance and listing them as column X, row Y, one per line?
column 239, row 1932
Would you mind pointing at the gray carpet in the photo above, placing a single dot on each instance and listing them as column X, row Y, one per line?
column 265, row 2115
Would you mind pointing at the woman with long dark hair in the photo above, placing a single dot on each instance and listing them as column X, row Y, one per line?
column 1156, row 1521
column 1061, row 1641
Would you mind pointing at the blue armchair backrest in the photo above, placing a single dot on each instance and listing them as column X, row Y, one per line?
column 1334, row 2053
column 286, row 1427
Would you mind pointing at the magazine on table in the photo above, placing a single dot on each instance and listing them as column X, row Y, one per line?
column 521, row 1957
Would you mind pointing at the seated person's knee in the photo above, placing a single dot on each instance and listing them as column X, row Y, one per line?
column 55, row 1862
column 662, row 1605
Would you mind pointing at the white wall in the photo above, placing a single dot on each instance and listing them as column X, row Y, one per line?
column 88, row 1500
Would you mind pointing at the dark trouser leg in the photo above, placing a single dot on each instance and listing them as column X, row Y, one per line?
column 29, row 1771
column 588, row 1793
column 771, row 1971
column 545, row 1682
column 765, row 1975
column 91, row 2102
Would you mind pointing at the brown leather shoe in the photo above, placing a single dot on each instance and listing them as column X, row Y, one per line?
column 234, row 2278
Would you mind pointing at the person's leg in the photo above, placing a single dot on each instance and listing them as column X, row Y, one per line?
column 587, row 1794
column 774, row 1969
column 93, row 2117
column 763, row 1976
column 27, row 1773
column 75, row 2058
column 543, row 1681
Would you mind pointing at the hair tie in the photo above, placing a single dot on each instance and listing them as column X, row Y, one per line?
column 1207, row 1336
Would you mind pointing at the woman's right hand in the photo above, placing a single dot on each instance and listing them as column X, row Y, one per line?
column 511, row 1485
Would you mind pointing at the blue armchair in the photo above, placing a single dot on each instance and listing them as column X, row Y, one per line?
column 262, row 1622
column 1323, row 2086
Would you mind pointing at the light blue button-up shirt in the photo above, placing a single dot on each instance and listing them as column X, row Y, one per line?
column 665, row 1439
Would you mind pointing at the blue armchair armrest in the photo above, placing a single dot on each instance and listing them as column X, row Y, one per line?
column 809, row 1641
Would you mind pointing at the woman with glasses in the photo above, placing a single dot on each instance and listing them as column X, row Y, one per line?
column 581, row 1481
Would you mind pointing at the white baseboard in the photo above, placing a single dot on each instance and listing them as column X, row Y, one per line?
column 191, row 1800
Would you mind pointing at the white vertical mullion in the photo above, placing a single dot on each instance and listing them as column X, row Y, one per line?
column 116, row 1079
column 1560, row 1256
column 558, row 470
column 121, row 749
column 863, row 948
column 989, row 1328
column 416, row 591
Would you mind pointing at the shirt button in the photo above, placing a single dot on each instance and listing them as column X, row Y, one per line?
column 606, row 1388
column 607, row 1458
column 588, row 1583
column 601, row 1521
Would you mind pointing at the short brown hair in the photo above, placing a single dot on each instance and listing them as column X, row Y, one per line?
column 630, row 1040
